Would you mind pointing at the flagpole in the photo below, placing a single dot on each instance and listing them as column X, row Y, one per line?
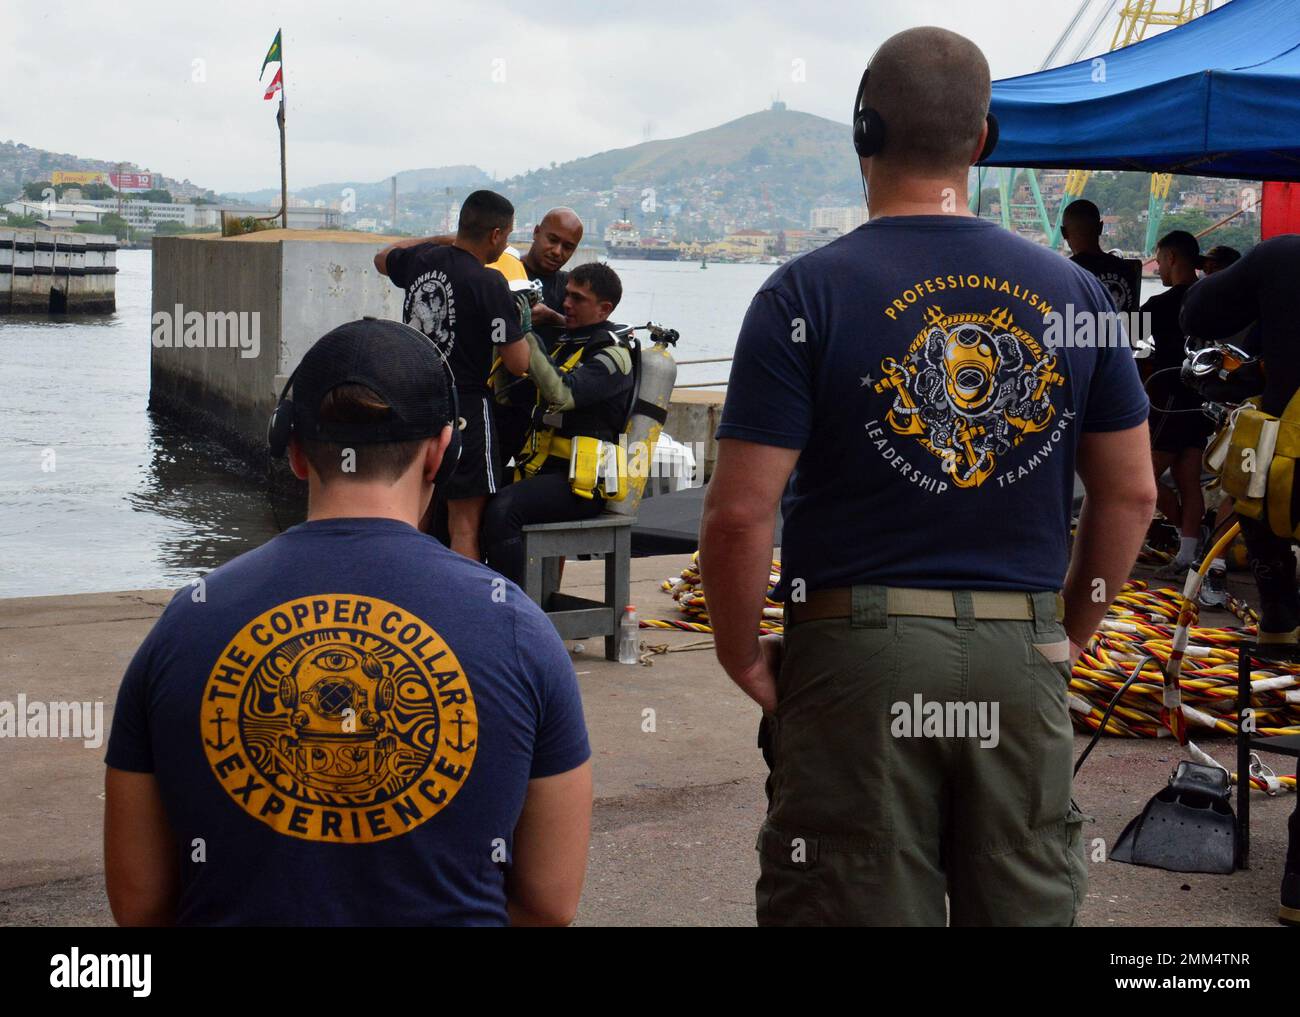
column 284, row 174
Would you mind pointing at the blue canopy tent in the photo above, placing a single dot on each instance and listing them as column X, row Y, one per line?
column 1217, row 97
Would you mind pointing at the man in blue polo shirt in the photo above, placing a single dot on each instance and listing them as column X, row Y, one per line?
column 908, row 383
column 351, row 724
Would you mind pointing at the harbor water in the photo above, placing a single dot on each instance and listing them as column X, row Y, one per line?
column 97, row 494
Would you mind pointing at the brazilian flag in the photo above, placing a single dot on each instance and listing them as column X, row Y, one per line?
column 272, row 54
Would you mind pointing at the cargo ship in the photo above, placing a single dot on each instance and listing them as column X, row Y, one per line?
column 623, row 240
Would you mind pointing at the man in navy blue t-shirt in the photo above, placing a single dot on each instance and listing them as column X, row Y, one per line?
column 351, row 724
column 919, row 392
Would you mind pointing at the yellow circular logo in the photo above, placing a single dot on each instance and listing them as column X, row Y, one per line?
column 339, row 719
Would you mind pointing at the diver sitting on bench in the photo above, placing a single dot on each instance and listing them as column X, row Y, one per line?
column 572, row 461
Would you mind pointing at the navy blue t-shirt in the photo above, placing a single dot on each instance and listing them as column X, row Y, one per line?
column 937, row 424
column 343, row 724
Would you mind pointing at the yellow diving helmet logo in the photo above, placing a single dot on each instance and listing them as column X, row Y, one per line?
column 337, row 694
column 969, row 362
column 339, row 718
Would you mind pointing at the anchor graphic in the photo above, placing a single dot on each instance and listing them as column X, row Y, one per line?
column 460, row 723
column 220, row 745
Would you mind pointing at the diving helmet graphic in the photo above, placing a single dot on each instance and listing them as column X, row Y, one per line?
column 336, row 694
column 970, row 362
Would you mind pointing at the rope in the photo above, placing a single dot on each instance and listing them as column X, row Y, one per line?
column 689, row 594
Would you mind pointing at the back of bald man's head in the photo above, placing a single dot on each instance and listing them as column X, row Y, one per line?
column 931, row 87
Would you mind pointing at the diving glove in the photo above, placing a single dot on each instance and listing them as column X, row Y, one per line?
column 544, row 374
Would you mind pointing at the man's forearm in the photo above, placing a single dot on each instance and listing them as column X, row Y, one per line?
column 381, row 259
column 735, row 563
column 1106, row 545
column 437, row 238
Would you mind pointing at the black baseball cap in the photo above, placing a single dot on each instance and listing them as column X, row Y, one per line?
column 1221, row 255
column 398, row 363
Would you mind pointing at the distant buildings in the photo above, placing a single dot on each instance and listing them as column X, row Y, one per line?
column 147, row 216
column 65, row 214
column 803, row 241
column 743, row 245
column 842, row 219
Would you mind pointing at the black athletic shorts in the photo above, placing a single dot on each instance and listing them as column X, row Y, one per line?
column 1186, row 428
column 481, row 467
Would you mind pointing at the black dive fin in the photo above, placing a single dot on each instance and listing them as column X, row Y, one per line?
column 1188, row 826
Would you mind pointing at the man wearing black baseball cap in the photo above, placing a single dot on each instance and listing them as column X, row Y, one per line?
column 318, row 732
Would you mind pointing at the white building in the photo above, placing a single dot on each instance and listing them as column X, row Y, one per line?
column 54, row 210
column 840, row 219
column 148, row 215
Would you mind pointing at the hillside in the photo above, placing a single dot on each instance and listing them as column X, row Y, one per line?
column 21, row 163
column 786, row 160
column 379, row 192
column 765, row 170
column 783, row 139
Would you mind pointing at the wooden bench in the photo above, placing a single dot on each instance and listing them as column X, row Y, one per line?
column 577, row 617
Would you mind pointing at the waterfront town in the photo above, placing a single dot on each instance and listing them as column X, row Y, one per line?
column 711, row 197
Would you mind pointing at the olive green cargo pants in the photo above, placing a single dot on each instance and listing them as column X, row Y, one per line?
column 879, row 806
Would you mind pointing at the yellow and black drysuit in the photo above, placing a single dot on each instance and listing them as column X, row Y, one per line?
column 585, row 390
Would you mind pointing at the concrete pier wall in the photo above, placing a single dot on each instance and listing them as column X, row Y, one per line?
column 217, row 390
column 232, row 316
column 298, row 286
column 44, row 272
column 693, row 418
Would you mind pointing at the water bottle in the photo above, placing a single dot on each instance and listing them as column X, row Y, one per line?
column 629, row 635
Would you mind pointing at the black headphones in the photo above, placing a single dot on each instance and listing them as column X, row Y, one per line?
column 279, row 428
column 869, row 127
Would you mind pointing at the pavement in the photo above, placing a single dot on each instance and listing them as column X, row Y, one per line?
column 678, row 801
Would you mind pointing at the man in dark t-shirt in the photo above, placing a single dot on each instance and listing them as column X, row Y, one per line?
column 1081, row 228
column 897, row 392
column 467, row 310
column 1178, row 427
column 351, row 725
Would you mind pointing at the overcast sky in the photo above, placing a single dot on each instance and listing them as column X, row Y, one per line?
column 375, row 87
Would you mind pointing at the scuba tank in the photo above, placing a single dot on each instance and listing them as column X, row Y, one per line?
column 656, row 373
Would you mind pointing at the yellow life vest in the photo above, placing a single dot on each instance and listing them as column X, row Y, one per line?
column 1259, row 468
column 595, row 466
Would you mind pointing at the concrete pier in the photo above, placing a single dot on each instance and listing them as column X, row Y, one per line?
column 693, row 416
column 285, row 289
column 677, row 808
column 52, row 272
